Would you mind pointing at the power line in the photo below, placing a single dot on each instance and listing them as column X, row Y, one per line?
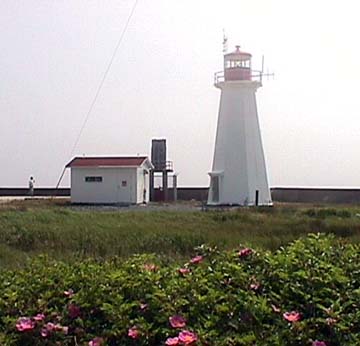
column 104, row 76
column 100, row 87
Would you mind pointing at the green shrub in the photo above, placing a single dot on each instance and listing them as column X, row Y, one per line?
column 241, row 297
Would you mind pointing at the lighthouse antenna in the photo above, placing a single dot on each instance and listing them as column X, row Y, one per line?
column 225, row 42
column 260, row 74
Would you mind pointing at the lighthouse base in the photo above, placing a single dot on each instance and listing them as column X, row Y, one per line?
column 239, row 199
column 240, row 193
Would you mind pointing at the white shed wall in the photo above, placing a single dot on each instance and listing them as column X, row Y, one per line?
column 110, row 190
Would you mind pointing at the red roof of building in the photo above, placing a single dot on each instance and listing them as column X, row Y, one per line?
column 135, row 161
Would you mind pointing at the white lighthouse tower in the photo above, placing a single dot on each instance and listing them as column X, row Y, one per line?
column 238, row 174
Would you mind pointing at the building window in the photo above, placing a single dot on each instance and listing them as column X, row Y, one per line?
column 93, row 179
column 124, row 183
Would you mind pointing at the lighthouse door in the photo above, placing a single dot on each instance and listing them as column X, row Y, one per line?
column 215, row 188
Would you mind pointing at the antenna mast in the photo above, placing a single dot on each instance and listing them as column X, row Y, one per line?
column 225, row 42
column 262, row 73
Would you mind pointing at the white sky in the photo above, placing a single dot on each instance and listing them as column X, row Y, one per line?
column 53, row 55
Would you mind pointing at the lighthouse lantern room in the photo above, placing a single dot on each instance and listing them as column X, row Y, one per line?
column 238, row 175
column 237, row 65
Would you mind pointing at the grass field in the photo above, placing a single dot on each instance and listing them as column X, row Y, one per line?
column 29, row 228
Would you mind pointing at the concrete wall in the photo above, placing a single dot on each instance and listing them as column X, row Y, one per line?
column 286, row 195
column 186, row 194
column 42, row 191
column 316, row 195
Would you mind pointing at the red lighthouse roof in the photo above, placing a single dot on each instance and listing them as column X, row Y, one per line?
column 239, row 54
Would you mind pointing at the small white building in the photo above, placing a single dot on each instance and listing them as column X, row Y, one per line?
column 110, row 180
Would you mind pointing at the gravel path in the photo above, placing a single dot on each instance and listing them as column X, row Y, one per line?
column 180, row 206
column 183, row 206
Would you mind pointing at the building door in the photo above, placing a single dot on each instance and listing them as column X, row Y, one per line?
column 145, row 192
column 125, row 189
column 215, row 187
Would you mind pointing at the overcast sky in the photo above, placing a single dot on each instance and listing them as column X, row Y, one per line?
column 53, row 55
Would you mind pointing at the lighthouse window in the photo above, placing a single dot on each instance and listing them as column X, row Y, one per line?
column 93, row 179
column 237, row 64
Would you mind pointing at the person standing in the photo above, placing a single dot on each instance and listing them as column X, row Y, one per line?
column 31, row 186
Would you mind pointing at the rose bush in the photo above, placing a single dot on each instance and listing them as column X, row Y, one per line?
column 305, row 294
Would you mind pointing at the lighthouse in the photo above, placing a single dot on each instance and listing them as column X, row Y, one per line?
column 238, row 175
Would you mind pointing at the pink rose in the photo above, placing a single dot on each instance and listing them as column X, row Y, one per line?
column 133, row 333
column 143, row 306
column 44, row 332
column 187, row 337
column 245, row 252
column 292, row 316
column 50, row 326
column 96, row 342
column 255, row 286
column 318, row 343
column 172, row 341
column 184, row 271
column 25, row 324
column 196, row 259
column 177, row 321
column 69, row 293
column 39, row 317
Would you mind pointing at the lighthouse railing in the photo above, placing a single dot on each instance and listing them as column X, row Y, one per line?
column 219, row 77
column 255, row 76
